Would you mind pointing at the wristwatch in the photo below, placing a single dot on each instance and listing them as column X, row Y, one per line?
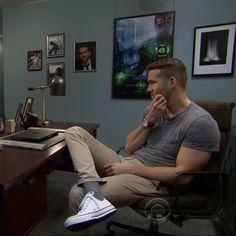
column 148, row 124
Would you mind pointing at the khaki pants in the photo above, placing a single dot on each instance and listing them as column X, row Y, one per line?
column 89, row 157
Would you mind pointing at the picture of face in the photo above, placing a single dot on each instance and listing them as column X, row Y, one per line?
column 163, row 26
column 85, row 56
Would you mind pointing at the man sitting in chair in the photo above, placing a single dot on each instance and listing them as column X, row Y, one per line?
column 175, row 135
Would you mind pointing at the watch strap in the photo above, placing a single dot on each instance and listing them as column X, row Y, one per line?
column 148, row 124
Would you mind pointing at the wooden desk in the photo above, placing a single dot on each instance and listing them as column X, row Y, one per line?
column 23, row 181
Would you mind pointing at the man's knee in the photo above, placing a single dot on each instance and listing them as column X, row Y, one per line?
column 76, row 196
column 75, row 131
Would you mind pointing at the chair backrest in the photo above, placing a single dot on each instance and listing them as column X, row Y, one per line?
column 222, row 113
column 208, row 186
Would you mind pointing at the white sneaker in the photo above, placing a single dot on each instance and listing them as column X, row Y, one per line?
column 91, row 210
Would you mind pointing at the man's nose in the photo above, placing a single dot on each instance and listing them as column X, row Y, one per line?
column 149, row 89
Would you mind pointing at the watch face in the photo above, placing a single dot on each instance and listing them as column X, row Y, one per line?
column 145, row 123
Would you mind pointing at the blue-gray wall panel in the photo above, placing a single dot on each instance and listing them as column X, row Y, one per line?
column 88, row 95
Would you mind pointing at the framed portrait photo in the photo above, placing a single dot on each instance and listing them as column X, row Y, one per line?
column 34, row 60
column 56, row 78
column 139, row 41
column 214, row 48
column 56, row 45
column 85, row 56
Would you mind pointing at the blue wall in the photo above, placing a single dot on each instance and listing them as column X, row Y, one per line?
column 1, row 69
column 88, row 96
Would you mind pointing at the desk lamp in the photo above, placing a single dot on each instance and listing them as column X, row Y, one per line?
column 57, row 88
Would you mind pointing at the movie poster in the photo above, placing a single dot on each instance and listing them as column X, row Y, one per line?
column 139, row 41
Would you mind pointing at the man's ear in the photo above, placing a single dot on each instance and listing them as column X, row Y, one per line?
column 172, row 82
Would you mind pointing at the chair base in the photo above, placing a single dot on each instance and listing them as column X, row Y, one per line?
column 152, row 230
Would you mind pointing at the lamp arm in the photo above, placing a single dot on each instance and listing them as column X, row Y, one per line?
column 42, row 87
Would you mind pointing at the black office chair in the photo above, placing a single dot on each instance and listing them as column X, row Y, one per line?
column 203, row 198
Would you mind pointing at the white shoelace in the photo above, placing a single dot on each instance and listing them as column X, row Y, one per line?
column 86, row 201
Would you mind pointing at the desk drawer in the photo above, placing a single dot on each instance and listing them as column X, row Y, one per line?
column 24, row 204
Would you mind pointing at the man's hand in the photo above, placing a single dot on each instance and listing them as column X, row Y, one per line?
column 117, row 168
column 156, row 108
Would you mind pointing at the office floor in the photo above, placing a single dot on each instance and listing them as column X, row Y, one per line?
column 59, row 184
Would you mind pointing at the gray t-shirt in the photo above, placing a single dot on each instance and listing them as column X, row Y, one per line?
column 193, row 128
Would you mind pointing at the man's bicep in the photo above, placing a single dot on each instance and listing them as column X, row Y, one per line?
column 192, row 159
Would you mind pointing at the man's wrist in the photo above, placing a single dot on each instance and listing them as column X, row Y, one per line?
column 148, row 124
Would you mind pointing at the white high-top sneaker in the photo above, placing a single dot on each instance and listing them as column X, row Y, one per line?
column 91, row 210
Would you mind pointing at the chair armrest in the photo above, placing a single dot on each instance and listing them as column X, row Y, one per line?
column 222, row 183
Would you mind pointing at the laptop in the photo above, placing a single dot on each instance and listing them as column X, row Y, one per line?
column 34, row 135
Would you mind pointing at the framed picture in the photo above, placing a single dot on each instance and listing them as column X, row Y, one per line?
column 56, row 45
column 138, row 41
column 214, row 50
column 2, row 124
column 18, row 113
column 85, row 56
column 34, row 60
column 56, row 78
column 27, row 108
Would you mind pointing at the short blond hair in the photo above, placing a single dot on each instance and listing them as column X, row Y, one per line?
column 171, row 67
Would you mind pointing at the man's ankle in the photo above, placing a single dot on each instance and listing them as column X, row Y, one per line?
column 95, row 187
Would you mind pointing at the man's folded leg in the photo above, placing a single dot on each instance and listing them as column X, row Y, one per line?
column 93, row 208
column 119, row 190
column 90, row 211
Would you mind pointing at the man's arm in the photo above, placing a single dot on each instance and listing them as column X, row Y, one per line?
column 187, row 160
column 136, row 139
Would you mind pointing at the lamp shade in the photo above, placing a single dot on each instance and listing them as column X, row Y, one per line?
column 58, row 86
